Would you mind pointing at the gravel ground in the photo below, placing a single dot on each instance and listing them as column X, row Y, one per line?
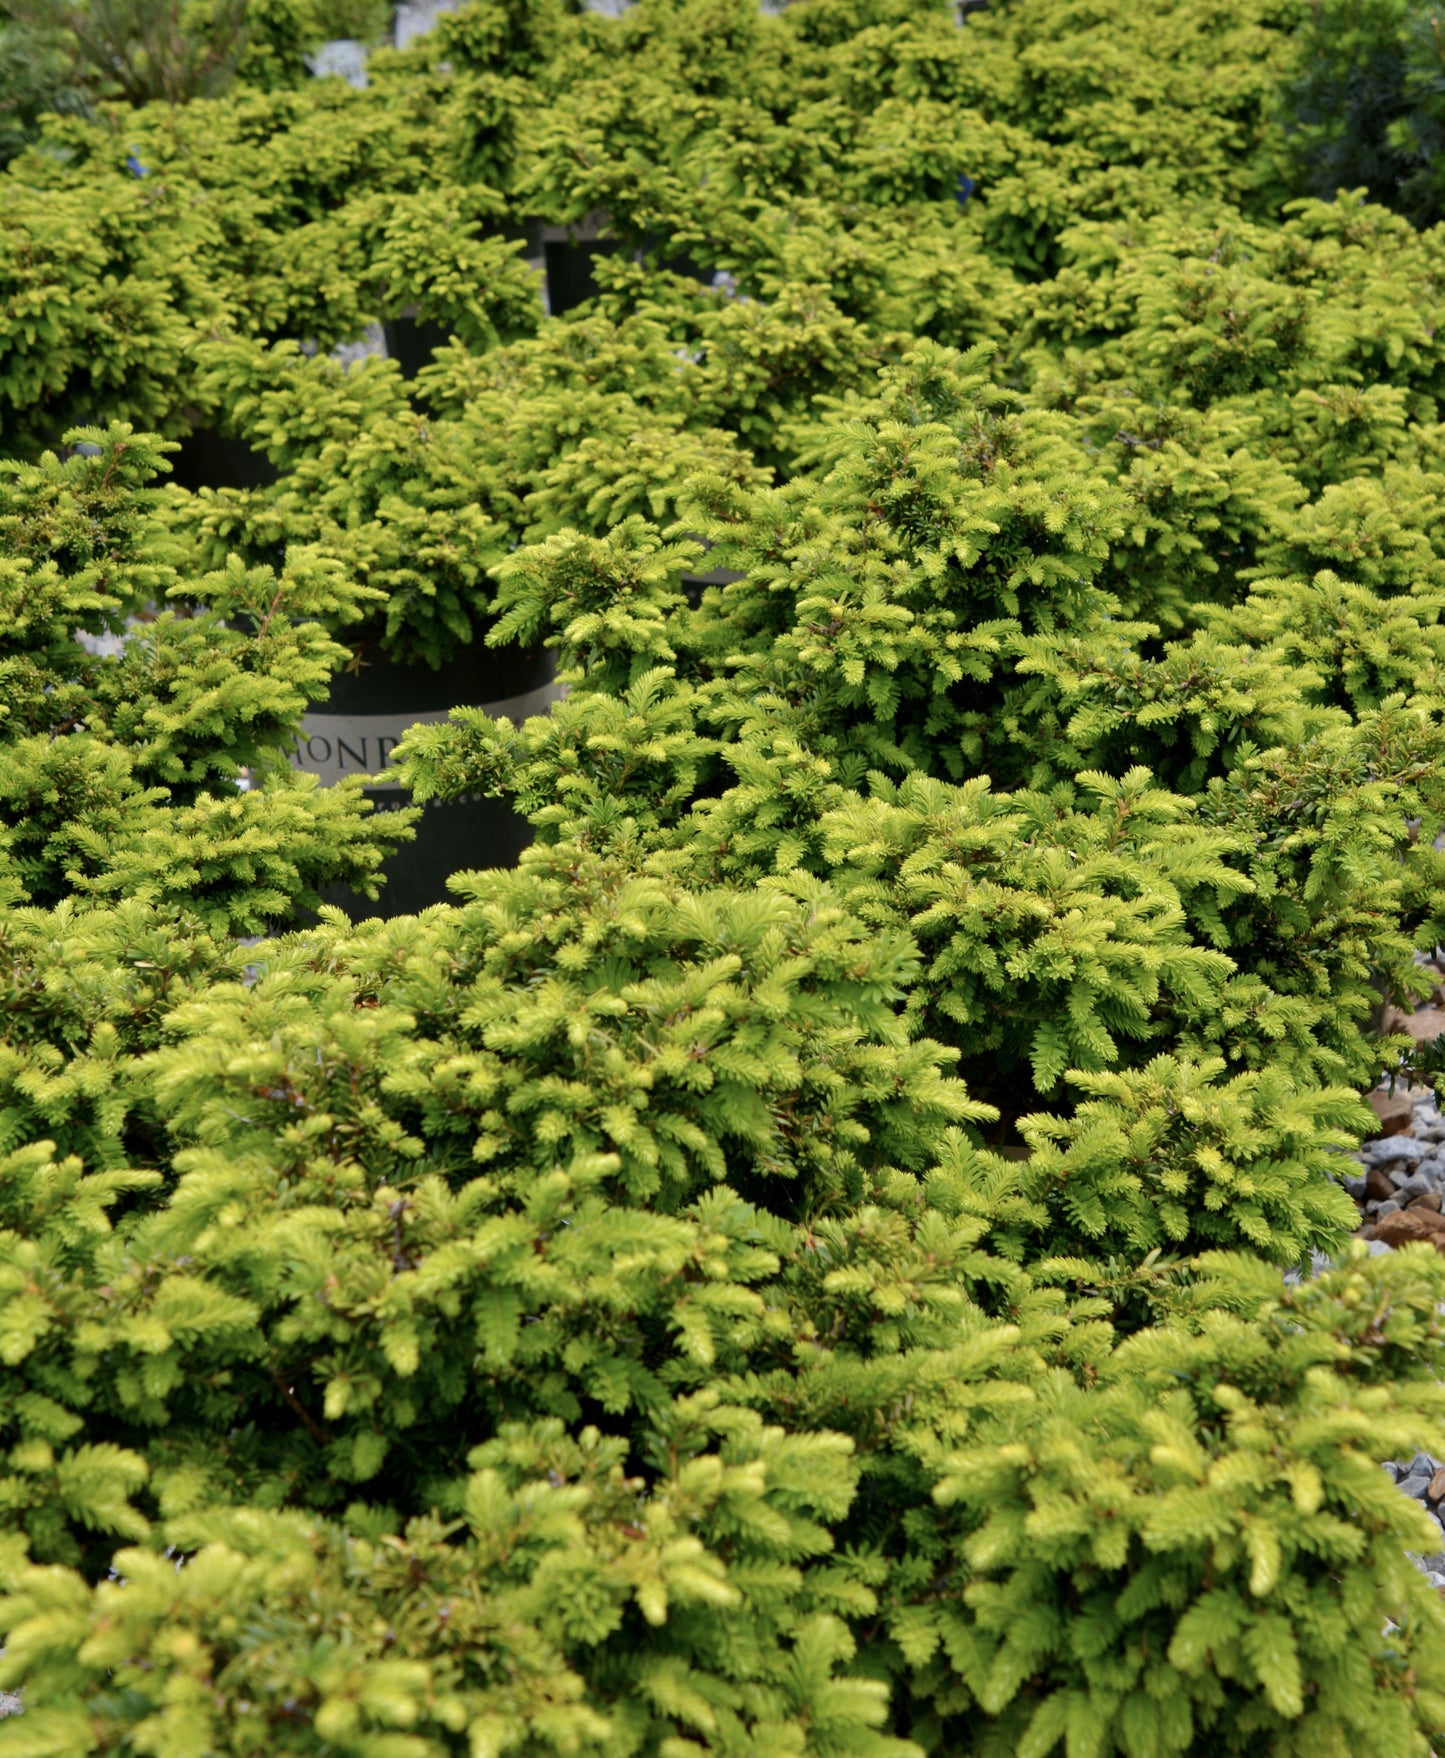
column 1399, row 1185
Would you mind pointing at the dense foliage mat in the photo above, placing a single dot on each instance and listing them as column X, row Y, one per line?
column 798, row 1265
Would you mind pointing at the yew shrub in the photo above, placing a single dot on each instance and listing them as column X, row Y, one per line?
column 799, row 1262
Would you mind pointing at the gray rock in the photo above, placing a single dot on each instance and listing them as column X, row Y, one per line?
column 101, row 646
column 341, row 55
column 1389, row 1208
column 1320, row 1264
column 1415, row 1185
column 1391, row 1148
column 1416, row 1484
column 371, row 343
column 414, row 18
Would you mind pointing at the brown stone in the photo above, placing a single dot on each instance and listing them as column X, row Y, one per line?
column 1395, row 1111
column 1429, row 1200
column 1425, row 1026
column 1400, row 1227
column 1378, row 1188
column 1437, row 1486
column 1405, row 1225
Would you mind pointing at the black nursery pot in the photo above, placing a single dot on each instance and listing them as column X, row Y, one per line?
column 412, row 341
column 570, row 279
column 208, row 459
column 362, row 722
column 570, row 267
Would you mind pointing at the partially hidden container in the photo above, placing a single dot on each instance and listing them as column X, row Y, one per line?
column 357, row 729
column 211, row 459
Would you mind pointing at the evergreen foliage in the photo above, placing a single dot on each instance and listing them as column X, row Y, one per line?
column 121, row 772
column 1365, row 102
column 794, row 1265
